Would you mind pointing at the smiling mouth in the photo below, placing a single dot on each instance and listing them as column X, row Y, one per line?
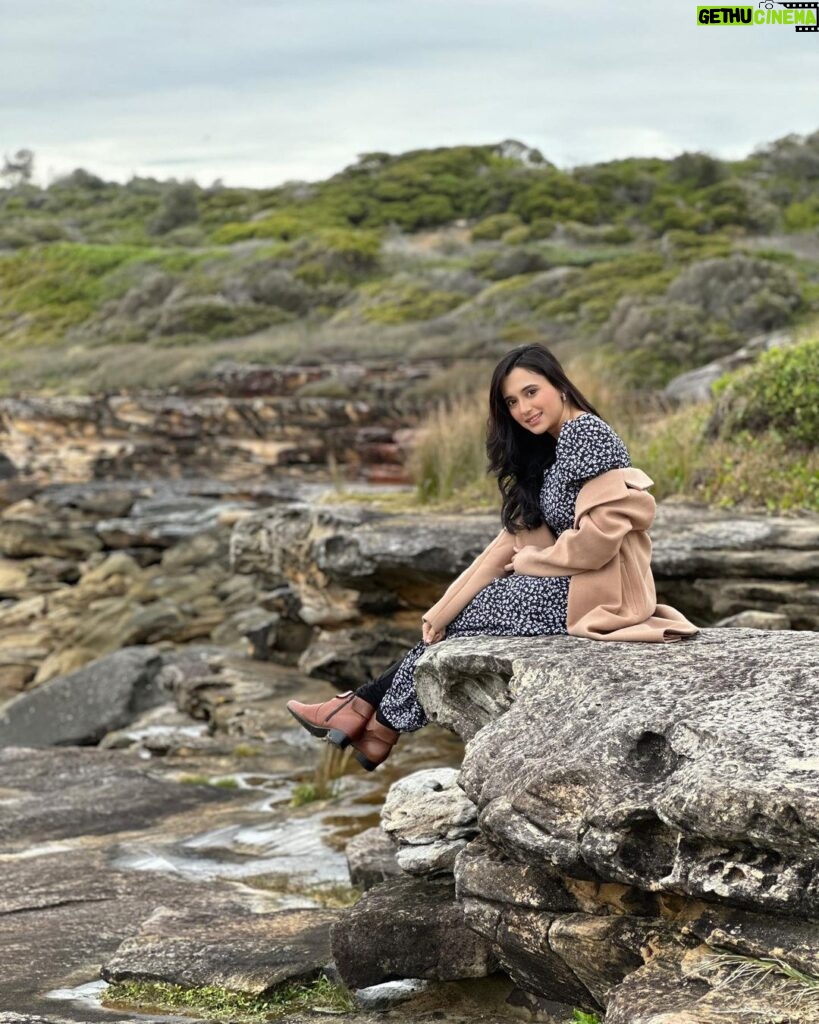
column 534, row 419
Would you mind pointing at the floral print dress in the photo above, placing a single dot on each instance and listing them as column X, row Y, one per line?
column 518, row 605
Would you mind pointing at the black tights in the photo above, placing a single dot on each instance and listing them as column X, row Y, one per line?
column 373, row 692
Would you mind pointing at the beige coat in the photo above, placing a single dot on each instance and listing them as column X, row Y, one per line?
column 607, row 553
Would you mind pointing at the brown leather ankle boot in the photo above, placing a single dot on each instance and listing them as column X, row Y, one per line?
column 341, row 719
column 375, row 743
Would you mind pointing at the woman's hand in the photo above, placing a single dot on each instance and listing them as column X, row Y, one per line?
column 511, row 567
column 430, row 634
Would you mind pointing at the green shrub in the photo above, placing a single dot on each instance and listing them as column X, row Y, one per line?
column 517, row 236
column 541, row 227
column 279, row 225
column 491, row 228
column 618, row 235
column 344, row 254
column 696, row 170
column 404, row 303
column 802, row 216
column 779, row 393
column 177, row 208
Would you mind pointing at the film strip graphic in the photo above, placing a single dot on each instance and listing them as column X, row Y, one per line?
column 802, row 7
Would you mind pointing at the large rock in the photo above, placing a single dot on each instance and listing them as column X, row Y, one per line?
column 196, row 947
column 346, row 565
column 82, row 707
column 644, row 810
column 612, row 759
column 695, row 385
column 430, row 818
column 371, row 858
column 685, row 986
column 407, row 928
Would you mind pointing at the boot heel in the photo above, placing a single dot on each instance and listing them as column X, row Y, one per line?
column 338, row 738
column 365, row 763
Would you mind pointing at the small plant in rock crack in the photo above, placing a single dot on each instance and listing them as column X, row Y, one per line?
column 798, row 988
column 584, row 1017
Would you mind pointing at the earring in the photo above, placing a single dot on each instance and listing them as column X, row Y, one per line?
column 563, row 396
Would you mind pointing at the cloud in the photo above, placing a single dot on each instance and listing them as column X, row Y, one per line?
column 259, row 92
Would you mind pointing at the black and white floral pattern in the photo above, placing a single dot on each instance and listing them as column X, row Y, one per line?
column 519, row 605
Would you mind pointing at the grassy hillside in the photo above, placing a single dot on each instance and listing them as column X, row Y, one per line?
column 656, row 265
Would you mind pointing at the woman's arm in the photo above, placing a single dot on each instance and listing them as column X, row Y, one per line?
column 595, row 540
column 491, row 563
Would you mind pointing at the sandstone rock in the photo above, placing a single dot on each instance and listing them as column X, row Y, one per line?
column 36, row 812
column 22, row 538
column 160, row 731
column 352, row 657
column 519, row 938
column 346, row 563
column 755, row 620
column 695, row 385
column 331, row 555
column 695, row 541
column 371, row 858
column 54, row 664
column 602, row 950
column 612, row 759
column 389, row 993
column 157, row 522
column 484, row 873
column 83, row 706
column 430, row 819
column 407, row 928
column 241, row 951
column 261, row 629
column 762, row 936
column 676, row 986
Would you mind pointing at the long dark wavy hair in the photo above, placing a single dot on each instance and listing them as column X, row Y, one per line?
column 517, row 457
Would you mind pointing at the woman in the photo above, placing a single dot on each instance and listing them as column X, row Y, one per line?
column 573, row 555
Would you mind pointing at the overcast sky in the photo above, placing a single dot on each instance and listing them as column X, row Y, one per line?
column 256, row 92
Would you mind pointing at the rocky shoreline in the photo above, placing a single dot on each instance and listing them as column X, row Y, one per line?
column 630, row 821
column 582, row 826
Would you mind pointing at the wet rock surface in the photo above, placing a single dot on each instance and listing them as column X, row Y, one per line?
column 107, row 851
column 195, row 948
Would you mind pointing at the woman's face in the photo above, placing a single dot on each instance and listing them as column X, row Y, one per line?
column 533, row 401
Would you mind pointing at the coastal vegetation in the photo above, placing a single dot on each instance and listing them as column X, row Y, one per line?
column 641, row 268
column 756, row 444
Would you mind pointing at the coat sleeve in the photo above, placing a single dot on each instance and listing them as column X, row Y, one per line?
column 594, row 541
column 489, row 564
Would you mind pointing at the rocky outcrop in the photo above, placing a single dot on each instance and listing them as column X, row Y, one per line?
column 356, row 580
column 232, row 421
column 149, row 560
column 644, row 812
